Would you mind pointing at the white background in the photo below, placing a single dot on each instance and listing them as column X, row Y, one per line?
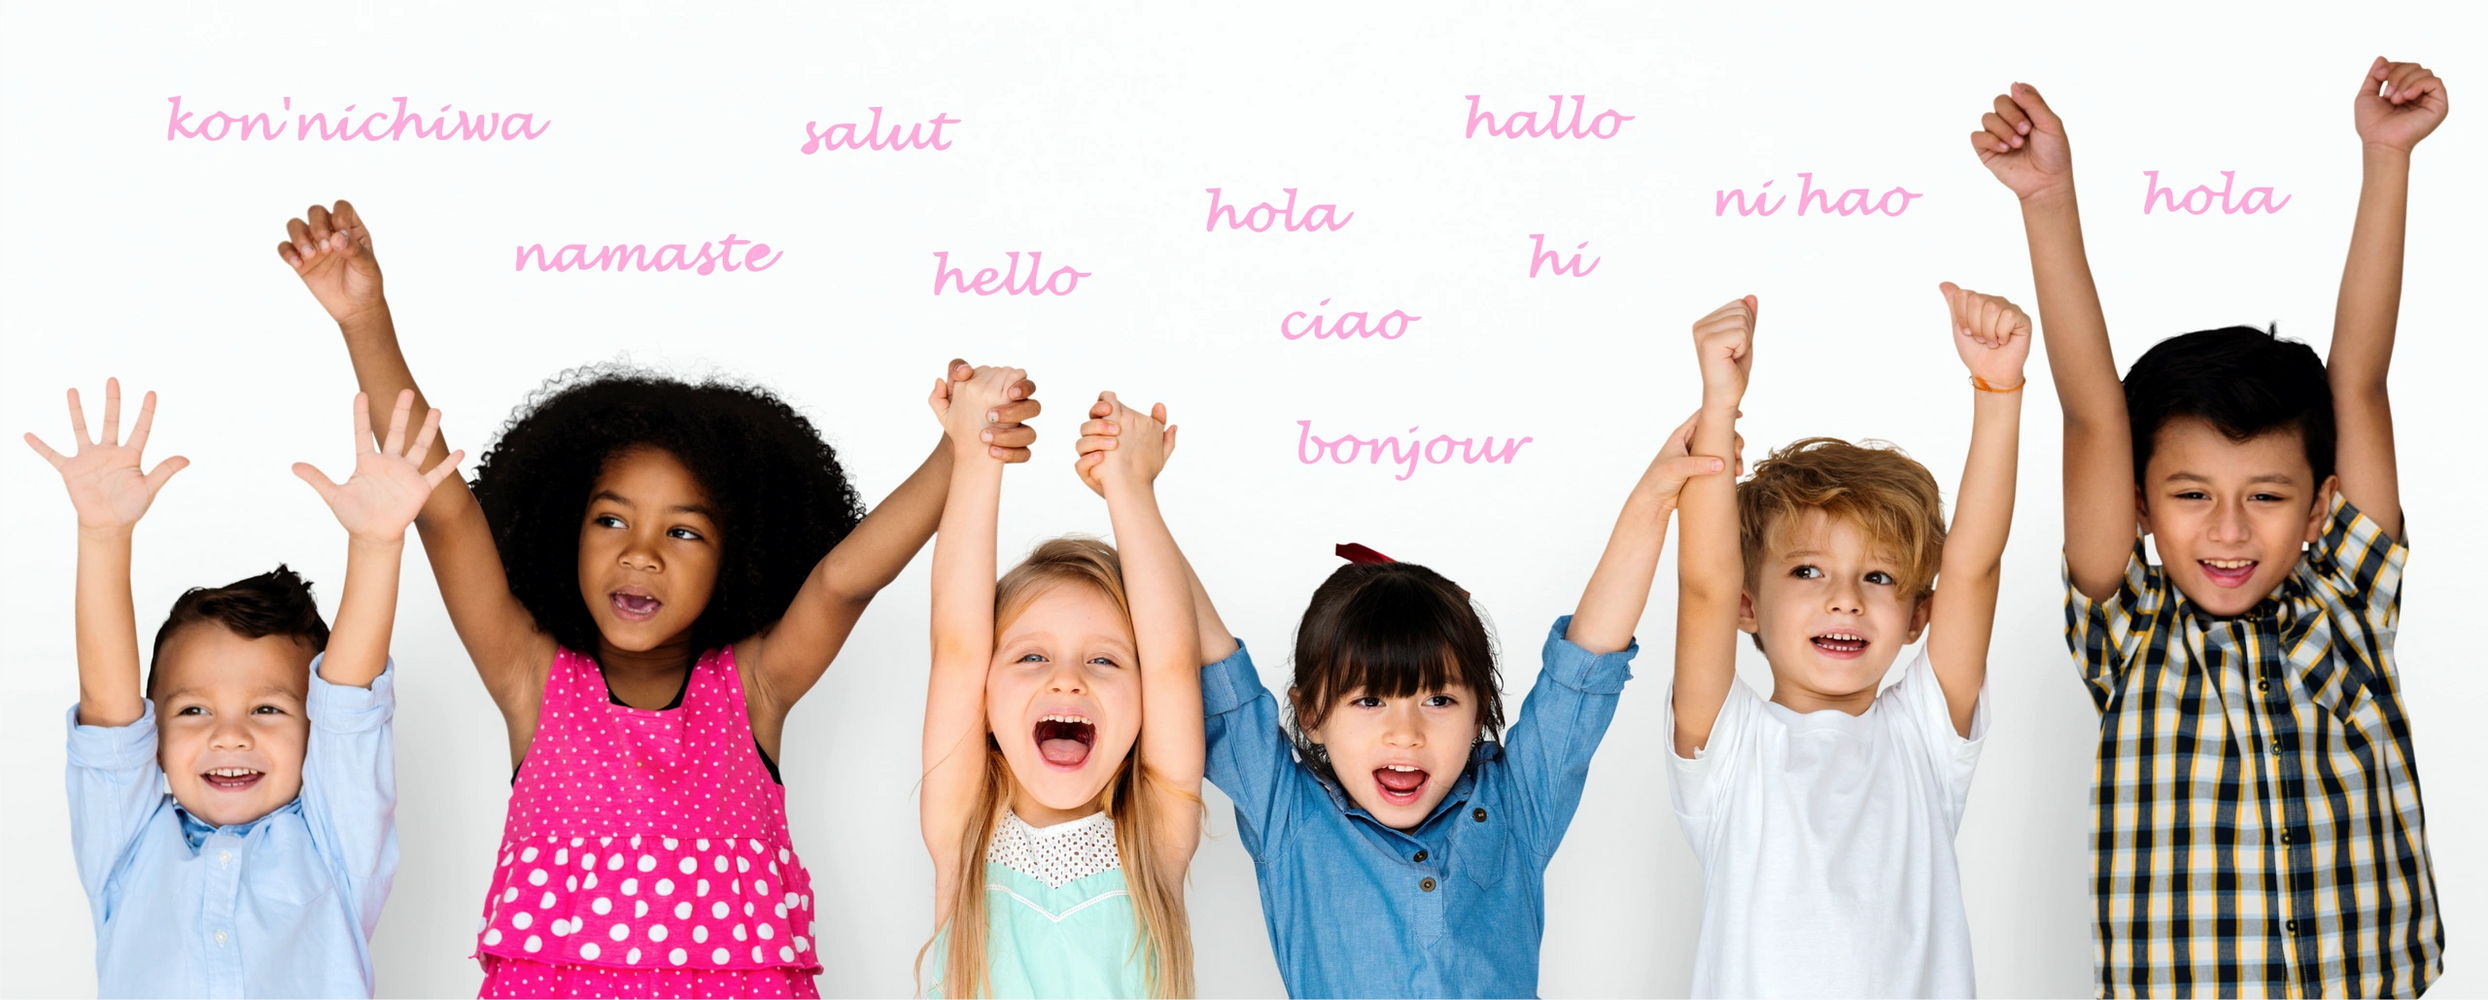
column 1090, row 135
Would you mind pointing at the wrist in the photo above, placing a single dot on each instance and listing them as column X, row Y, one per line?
column 2384, row 154
column 363, row 543
column 109, row 534
column 371, row 319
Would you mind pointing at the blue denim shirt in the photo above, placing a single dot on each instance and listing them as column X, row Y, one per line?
column 281, row 906
column 1453, row 908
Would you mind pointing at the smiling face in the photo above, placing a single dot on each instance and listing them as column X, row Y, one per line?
column 229, row 721
column 1829, row 609
column 2229, row 516
column 1063, row 700
column 648, row 550
column 1398, row 757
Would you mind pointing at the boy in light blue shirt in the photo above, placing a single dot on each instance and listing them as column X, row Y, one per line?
column 232, row 822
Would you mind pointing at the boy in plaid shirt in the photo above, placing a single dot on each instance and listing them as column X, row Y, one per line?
column 2256, row 825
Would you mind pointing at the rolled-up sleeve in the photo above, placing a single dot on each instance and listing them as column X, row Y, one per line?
column 1250, row 759
column 115, row 787
column 349, row 785
column 1559, row 728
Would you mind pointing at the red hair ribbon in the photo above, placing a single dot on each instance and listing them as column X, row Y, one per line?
column 1355, row 553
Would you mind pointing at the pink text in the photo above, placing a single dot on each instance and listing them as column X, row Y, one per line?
column 2256, row 200
column 1854, row 201
column 670, row 257
column 1063, row 281
column 1540, row 256
column 1318, row 218
column 844, row 135
column 1440, row 450
column 371, row 126
column 1358, row 325
column 1525, row 124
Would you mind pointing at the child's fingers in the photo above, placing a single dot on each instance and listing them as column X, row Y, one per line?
column 77, row 421
column 1018, row 412
column 285, row 252
column 2000, row 135
column 1097, row 444
column 146, row 422
column 1025, row 388
column 56, row 458
column 2012, row 115
column 363, row 441
column 317, row 217
column 1101, row 427
column 346, row 219
column 2397, row 80
column 112, row 414
column 318, row 480
column 2042, row 117
column 1010, row 437
column 163, row 473
column 423, row 439
column 1157, row 412
column 448, row 467
column 960, row 370
column 405, row 407
column 2415, row 86
column 300, row 236
column 1170, row 440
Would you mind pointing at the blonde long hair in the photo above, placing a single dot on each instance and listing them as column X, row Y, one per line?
column 1164, row 944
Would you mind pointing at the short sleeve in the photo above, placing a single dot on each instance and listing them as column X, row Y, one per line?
column 115, row 788
column 2358, row 568
column 1920, row 696
column 1694, row 782
column 2106, row 636
column 1249, row 758
column 349, row 785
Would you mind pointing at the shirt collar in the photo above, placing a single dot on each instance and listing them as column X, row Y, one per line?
column 1486, row 750
column 196, row 831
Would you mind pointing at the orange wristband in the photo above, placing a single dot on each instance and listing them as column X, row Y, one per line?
column 1981, row 385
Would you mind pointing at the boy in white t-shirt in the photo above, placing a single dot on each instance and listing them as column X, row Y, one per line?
column 1824, row 817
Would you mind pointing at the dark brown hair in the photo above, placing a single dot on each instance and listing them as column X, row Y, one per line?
column 1392, row 630
column 277, row 602
column 2243, row 381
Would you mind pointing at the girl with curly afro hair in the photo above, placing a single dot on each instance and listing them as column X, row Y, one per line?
column 648, row 574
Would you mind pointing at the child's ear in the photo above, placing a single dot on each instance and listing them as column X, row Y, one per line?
column 1919, row 618
column 2142, row 510
column 2320, row 515
column 1295, row 701
column 1745, row 619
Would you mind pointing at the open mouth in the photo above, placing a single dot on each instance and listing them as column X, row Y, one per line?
column 635, row 607
column 2227, row 572
column 1064, row 740
column 1841, row 644
column 231, row 779
column 1400, row 784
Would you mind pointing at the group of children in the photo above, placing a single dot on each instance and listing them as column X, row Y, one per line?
column 649, row 573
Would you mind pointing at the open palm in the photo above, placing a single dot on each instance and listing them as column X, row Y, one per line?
column 388, row 486
column 103, row 477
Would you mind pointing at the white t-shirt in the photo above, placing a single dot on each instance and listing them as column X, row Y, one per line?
column 1826, row 843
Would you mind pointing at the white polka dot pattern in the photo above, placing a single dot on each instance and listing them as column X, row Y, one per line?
column 649, row 795
column 1059, row 854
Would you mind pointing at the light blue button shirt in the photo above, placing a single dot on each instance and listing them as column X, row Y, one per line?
column 1453, row 908
column 282, row 906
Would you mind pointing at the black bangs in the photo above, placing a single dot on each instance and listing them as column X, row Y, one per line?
column 1391, row 630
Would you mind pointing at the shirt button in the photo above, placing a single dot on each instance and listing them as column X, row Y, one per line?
column 2263, row 687
column 1478, row 815
column 220, row 937
column 224, row 857
column 2284, row 836
column 1427, row 885
column 2293, row 927
column 1420, row 858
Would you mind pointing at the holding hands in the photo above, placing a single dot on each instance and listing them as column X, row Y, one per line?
column 2398, row 104
column 971, row 403
column 104, row 481
column 1123, row 446
column 1993, row 336
column 388, row 486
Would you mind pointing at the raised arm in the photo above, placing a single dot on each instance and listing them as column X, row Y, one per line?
column 375, row 505
column 1619, row 589
column 1100, row 435
column 331, row 250
column 1993, row 338
column 1710, row 561
column 791, row 656
column 1163, row 623
column 2398, row 104
column 109, row 494
column 2023, row 142
column 963, row 594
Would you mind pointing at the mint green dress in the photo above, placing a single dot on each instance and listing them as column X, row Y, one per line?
column 1059, row 920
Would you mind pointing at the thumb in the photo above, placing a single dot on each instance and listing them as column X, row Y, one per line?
column 319, row 482
column 163, row 473
column 1952, row 301
column 1170, row 440
column 1753, row 310
column 2042, row 117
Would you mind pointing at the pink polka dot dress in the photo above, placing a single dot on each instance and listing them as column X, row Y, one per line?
column 646, row 852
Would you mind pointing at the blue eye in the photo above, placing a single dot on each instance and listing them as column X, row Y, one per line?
column 1032, row 658
column 1102, row 661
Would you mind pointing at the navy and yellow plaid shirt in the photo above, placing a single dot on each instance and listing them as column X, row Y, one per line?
column 2255, row 817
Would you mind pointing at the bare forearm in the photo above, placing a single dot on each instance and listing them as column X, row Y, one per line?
column 964, row 563
column 108, row 689
column 1164, row 626
column 1619, row 589
column 1710, row 562
column 358, row 647
column 2071, row 319
column 1983, row 509
column 2369, row 307
column 380, row 371
column 888, row 538
column 1216, row 642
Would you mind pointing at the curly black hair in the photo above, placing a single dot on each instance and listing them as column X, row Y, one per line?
column 781, row 498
